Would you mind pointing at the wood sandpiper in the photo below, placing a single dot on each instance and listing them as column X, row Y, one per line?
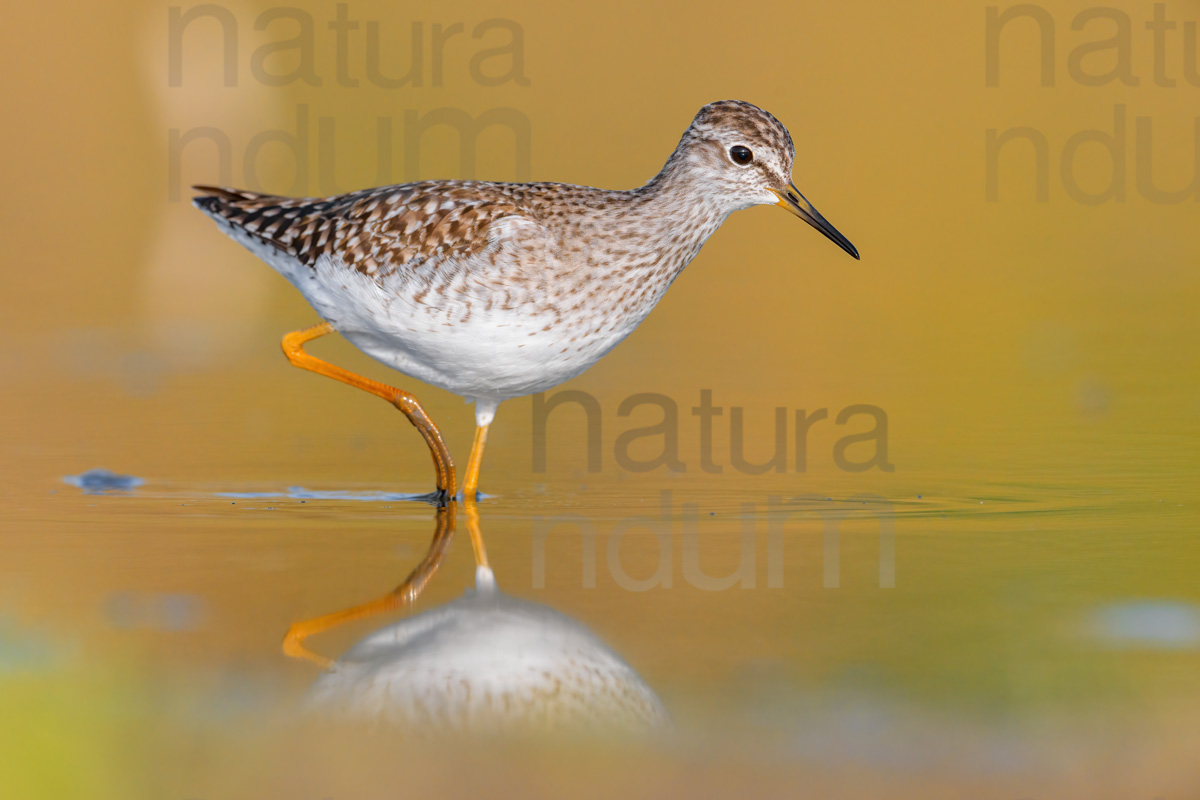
column 498, row 290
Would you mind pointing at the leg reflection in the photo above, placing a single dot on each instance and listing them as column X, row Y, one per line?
column 403, row 595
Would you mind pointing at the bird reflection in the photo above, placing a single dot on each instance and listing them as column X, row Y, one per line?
column 484, row 663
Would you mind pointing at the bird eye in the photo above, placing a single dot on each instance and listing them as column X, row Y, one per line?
column 741, row 155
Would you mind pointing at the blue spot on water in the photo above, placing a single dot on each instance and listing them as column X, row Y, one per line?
column 154, row 611
column 1152, row 624
column 99, row 481
column 23, row 649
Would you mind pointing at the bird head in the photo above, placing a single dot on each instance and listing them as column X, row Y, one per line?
column 745, row 155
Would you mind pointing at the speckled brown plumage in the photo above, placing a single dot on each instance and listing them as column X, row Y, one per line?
column 376, row 231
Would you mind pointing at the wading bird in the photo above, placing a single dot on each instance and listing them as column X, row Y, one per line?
column 498, row 290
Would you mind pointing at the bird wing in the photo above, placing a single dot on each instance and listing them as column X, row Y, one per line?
column 380, row 232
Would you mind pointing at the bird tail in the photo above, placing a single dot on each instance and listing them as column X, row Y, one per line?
column 223, row 202
column 269, row 218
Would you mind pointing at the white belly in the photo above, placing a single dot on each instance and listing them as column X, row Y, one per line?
column 462, row 346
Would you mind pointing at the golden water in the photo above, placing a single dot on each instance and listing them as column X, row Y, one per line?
column 1038, row 630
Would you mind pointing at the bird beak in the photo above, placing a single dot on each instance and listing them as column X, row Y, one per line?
column 795, row 203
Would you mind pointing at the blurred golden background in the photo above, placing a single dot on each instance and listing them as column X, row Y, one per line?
column 1024, row 315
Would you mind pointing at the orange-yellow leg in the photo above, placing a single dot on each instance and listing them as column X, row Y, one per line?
column 403, row 595
column 476, row 537
column 471, row 484
column 443, row 464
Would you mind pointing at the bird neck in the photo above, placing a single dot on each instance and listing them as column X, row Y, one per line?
column 680, row 211
column 678, row 181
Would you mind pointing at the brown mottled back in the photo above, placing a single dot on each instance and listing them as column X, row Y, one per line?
column 375, row 231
